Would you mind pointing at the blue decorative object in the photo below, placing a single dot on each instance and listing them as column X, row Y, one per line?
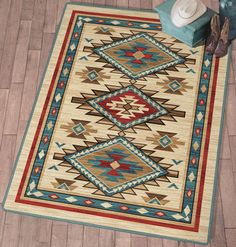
column 228, row 9
column 191, row 34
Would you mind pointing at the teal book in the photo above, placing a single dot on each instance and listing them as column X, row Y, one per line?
column 191, row 34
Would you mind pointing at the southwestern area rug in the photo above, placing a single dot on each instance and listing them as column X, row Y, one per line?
column 125, row 131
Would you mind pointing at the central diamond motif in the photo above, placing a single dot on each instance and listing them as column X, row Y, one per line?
column 174, row 85
column 92, row 75
column 115, row 165
column 127, row 107
column 139, row 55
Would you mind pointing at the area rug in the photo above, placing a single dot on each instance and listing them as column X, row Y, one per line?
column 125, row 130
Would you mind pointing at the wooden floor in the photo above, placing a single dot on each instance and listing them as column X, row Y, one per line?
column 27, row 30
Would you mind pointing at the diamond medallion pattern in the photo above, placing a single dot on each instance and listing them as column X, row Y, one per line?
column 139, row 55
column 165, row 141
column 127, row 107
column 174, row 85
column 115, row 165
column 78, row 129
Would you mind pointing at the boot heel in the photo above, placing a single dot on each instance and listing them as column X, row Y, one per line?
column 223, row 43
column 212, row 40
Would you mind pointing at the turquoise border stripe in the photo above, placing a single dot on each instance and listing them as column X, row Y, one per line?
column 95, row 225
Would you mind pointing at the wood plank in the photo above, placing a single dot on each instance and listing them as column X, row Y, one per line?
column 122, row 239
column 111, row 3
column 106, row 238
column 27, row 10
column 11, row 230
column 11, row 218
column 75, row 235
column 185, row 244
column 4, row 11
column 48, row 39
column 146, row 4
column 7, row 156
column 91, row 237
column 99, row 2
column 231, row 237
column 13, row 109
column 225, row 146
column 3, row 103
column 138, row 241
column 20, row 132
column 200, row 245
column 122, row 3
column 20, row 61
column 169, row 243
column 30, row 84
column 228, row 193
column 60, row 8
column 231, row 110
column 9, row 49
column 1, row 51
column 234, row 176
column 154, row 242
column 59, row 234
column 44, row 232
column 28, row 232
column 2, row 222
column 37, row 25
column 232, row 140
column 51, row 16
column 217, row 231
column 135, row 4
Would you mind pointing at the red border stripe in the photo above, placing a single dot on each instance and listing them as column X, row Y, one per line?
column 118, row 16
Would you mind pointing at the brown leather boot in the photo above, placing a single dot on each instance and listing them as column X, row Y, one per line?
column 223, row 43
column 212, row 40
